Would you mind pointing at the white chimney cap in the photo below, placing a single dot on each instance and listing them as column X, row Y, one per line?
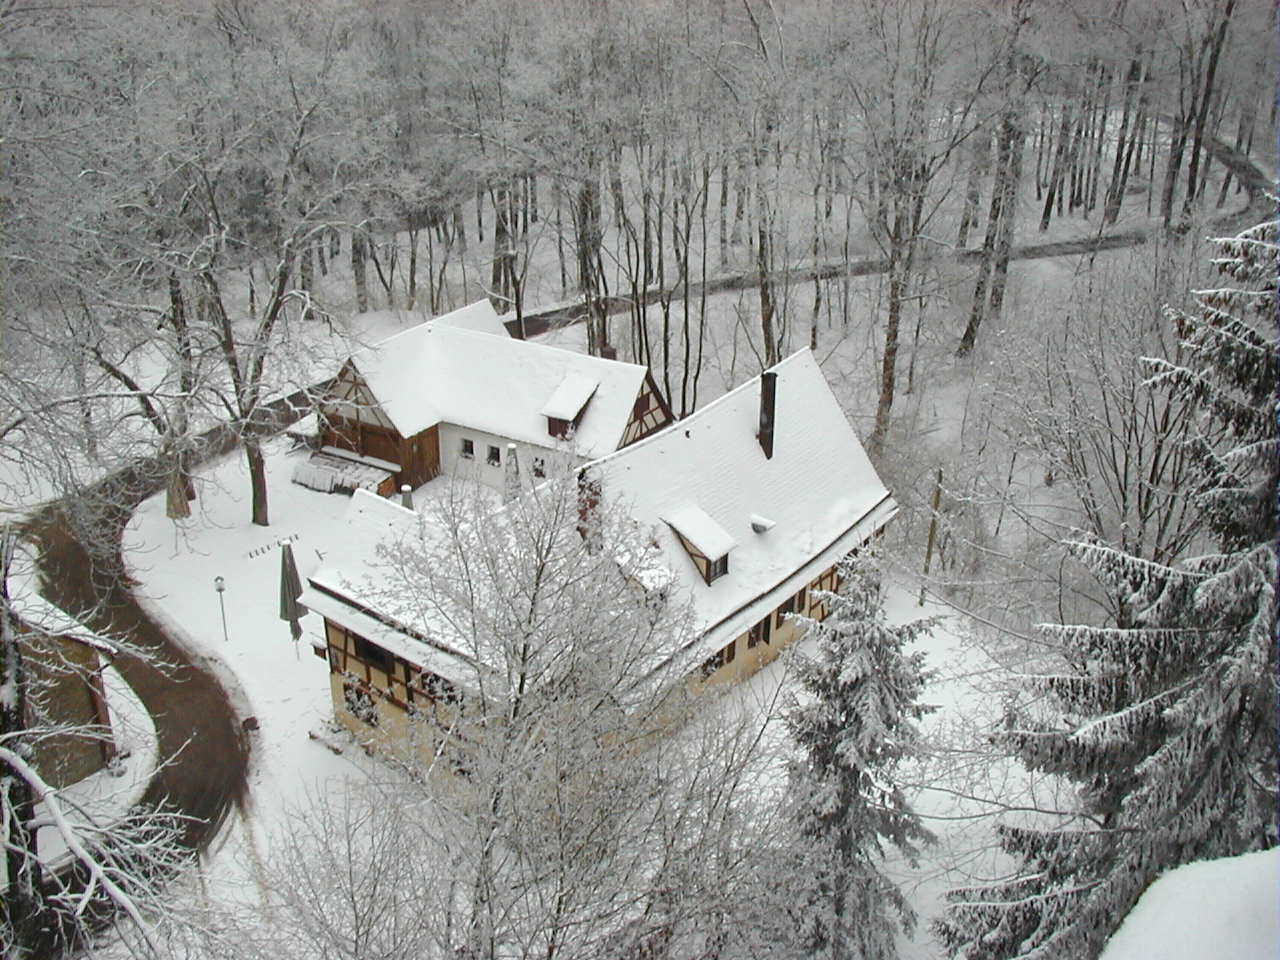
column 760, row 524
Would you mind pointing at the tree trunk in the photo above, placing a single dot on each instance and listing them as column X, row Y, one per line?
column 986, row 262
column 1206, row 98
column 358, row 271
column 889, row 361
column 1100, row 136
column 499, row 270
column 1124, row 143
column 978, row 165
column 306, row 271
column 1008, row 219
column 724, row 214
column 413, row 266
column 1059, row 166
column 257, row 477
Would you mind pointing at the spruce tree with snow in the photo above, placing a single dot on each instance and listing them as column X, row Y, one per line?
column 854, row 727
column 1166, row 726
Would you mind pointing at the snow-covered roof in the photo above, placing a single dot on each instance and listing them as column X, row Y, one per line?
column 352, row 590
column 436, row 372
column 1225, row 909
column 479, row 317
column 819, row 490
column 37, row 613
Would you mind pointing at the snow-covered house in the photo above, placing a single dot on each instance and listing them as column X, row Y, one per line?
column 452, row 393
column 750, row 502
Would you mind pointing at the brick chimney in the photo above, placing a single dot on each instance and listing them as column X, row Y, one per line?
column 768, row 388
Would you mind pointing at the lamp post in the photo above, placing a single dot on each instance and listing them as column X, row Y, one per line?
column 220, row 585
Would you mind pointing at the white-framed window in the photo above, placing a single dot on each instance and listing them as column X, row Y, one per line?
column 539, row 467
column 494, row 458
column 468, row 449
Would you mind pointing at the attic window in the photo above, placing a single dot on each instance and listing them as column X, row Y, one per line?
column 568, row 402
column 717, row 568
column 705, row 541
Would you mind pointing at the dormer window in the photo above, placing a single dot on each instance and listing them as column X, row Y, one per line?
column 705, row 541
column 568, row 402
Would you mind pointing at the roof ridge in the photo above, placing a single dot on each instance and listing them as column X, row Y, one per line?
column 676, row 424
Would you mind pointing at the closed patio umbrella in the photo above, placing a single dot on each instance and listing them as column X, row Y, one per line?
column 290, row 591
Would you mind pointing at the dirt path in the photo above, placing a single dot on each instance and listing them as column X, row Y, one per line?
column 203, row 752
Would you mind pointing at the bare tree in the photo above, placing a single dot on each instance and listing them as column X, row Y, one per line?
column 589, row 815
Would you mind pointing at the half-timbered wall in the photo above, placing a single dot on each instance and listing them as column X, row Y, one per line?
column 649, row 414
column 380, row 696
column 352, row 420
column 764, row 640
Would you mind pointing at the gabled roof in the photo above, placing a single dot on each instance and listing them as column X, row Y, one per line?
column 819, row 490
column 437, row 372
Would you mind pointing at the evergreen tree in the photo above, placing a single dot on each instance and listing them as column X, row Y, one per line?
column 855, row 726
column 1167, row 726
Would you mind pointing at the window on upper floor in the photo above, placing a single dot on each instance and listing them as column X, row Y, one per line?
column 725, row 655
column 494, row 457
column 468, row 449
column 372, row 654
column 539, row 467
column 760, row 633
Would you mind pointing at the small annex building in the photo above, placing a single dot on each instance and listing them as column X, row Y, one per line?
column 750, row 503
column 454, row 392
column 67, row 697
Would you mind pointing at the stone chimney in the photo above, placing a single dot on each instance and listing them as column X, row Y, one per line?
column 510, row 475
column 406, row 496
column 768, row 388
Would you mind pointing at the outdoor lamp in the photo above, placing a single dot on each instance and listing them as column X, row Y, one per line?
column 220, row 585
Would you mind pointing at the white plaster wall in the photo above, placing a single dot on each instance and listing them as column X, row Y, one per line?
column 452, row 462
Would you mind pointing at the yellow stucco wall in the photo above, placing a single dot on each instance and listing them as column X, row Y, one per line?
column 396, row 732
